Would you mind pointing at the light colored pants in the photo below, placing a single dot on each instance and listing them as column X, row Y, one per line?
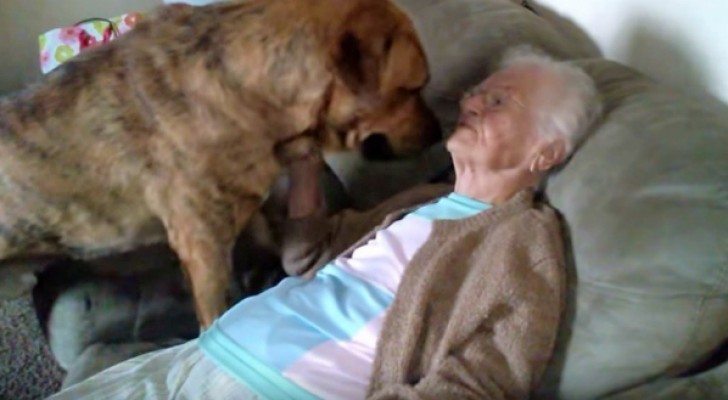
column 180, row 372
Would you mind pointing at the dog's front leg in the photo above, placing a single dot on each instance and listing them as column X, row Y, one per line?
column 203, row 232
column 208, row 267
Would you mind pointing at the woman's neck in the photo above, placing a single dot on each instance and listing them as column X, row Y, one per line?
column 492, row 187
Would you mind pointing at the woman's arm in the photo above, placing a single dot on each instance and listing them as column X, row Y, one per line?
column 312, row 237
column 309, row 232
column 518, row 313
column 502, row 360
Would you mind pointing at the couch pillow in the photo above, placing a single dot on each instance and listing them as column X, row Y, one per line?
column 646, row 204
column 463, row 40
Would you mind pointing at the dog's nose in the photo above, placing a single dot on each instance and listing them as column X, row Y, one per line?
column 436, row 130
column 376, row 147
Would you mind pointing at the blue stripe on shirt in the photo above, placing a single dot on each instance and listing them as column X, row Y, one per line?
column 254, row 374
column 332, row 306
column 452, row 206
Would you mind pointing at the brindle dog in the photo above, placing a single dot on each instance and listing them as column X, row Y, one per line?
column 176, row 130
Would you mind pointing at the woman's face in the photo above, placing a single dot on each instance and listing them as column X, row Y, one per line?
column 497, row 125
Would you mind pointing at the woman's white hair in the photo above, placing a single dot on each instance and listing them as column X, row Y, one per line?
column 570, row 111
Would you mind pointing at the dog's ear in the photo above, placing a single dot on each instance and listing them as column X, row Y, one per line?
column 372, row 53
column 360, row 48
column 406, row 66
column 356, row 61
column 348, row 60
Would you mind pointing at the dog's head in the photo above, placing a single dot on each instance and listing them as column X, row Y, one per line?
column 380, row 69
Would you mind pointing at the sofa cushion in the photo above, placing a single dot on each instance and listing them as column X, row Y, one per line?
column 463, row 40
column 646, row 204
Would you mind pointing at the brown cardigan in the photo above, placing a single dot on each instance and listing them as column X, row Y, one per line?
column 478, row 308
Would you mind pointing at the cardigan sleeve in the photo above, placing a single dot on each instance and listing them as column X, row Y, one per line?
column 509, row 342
column 491, row 367
column 311, row 242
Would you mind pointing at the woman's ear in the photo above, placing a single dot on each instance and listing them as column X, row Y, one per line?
column 552, row 154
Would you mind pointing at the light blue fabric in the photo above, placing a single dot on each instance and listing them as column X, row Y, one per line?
column 261, row 336
column 284, row 322
column 452, row 206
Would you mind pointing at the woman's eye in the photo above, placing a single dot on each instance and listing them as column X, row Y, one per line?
column 496, row 99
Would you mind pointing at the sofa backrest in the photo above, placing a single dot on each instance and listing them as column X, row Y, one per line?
column 645, row 200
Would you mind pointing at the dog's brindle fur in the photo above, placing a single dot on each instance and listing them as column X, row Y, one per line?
column 176, row 130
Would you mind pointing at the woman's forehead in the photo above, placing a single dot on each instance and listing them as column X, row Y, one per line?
column 517, row 77
column 523, row 82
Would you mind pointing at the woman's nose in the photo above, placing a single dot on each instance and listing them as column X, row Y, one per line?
column 472, row 106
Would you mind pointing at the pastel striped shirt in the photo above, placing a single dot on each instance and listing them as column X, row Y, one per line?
column 316, row 339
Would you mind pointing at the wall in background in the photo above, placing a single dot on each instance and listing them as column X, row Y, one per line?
column 680, row 42
column 21, row 21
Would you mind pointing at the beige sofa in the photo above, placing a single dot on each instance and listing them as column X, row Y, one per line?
column 645, row 201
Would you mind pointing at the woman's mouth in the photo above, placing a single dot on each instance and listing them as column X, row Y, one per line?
column 463, row 123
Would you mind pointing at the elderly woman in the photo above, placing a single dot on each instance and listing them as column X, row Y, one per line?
column 440, row 292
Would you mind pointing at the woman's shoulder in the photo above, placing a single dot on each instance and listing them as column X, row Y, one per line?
column 536, row 222
column 540, row 215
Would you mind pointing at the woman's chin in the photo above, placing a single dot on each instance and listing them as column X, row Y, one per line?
column 457, row 144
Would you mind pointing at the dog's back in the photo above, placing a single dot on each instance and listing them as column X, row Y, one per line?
column 77, row 150
column 72, row 160
column 55, row 201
